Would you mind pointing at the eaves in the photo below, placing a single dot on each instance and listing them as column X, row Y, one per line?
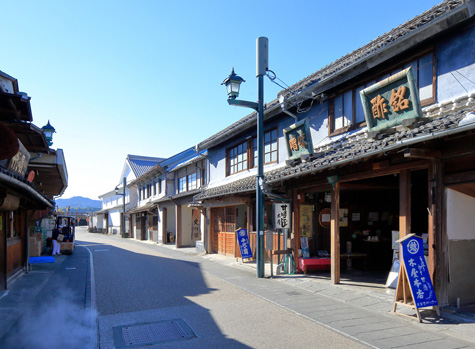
column 423, row 27
column 271, row 109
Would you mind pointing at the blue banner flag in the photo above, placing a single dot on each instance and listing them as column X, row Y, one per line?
column 244, row 245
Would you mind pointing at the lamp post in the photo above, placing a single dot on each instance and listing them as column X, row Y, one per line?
column 123, row 203
column 233, row 83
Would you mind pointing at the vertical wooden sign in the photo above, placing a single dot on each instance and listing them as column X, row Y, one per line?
column 414, row 286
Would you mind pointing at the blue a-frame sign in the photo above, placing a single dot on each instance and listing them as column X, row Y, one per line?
column 414, row 286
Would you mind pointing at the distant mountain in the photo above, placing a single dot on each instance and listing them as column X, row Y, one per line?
column 79, row 204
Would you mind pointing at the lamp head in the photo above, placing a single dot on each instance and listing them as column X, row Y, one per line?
column 232, row 83
column 48, row 130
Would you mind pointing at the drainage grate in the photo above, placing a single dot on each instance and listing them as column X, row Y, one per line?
column 293, row 293
column 152, row 333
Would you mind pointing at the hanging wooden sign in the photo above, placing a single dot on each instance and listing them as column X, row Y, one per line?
column 306, row 220
column 414, row 285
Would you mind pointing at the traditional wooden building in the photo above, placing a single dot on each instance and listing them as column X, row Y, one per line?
column 179, row 222
column 27, row 184
column 109, row 219
column 357, row 175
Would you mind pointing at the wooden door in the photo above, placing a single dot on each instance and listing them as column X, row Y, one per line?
column 224, row 239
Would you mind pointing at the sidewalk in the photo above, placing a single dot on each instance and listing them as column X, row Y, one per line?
column 50, row 306
column 362, row 311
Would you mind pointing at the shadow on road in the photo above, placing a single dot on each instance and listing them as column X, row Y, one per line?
column 136, row 287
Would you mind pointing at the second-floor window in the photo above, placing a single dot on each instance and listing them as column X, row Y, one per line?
column 182, row 184
column 238, row 158
column 243, row 156
column 270, row 147
column 187, row 183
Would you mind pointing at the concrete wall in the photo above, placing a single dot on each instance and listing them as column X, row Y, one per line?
column 461, row 234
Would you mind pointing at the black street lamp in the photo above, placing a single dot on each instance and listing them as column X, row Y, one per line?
column 233, row 83
column 123, row 208
column 48, row 130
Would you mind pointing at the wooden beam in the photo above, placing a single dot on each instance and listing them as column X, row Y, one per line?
column 365, row 186
column 416, row 165
column 335, row 235
column 467, row 176
column 422, row 153
column 381, row 164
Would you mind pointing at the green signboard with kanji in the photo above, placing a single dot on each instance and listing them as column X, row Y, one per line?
column 298, row 140
column 391, row 101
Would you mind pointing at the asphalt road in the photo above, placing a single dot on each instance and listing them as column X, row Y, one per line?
column 142, row 288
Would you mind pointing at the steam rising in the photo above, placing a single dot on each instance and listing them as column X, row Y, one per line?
column 58, row 322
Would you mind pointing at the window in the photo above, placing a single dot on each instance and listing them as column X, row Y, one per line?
column 270, row 147
column 239, row 157
column 346, row 110
column 187, row 183
column 182, row 184
column 191, row 180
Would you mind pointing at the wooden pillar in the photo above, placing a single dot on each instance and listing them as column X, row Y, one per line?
column 293, row 240
column 438, row 240
column 335, row 235
column 404, row 203
column 205, row 212
column 178, row 226
column 3, row 250
column 164, row 226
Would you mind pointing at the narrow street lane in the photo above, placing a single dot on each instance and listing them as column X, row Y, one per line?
column 139, row 286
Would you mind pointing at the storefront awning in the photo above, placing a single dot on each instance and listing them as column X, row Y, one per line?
column 15, row 107
column 18, row 186
column 145, row 208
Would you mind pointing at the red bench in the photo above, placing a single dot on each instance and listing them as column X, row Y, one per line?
column 314, row 264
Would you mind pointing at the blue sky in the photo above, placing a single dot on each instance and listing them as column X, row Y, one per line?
column 143, row 77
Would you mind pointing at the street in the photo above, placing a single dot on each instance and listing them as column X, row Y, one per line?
column 123, row 293
column 138, row 283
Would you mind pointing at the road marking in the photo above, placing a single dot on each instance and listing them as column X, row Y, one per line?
column 105, row 250
column 70, row 268
column 94, row 323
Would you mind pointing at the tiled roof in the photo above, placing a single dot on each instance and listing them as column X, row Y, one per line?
column 377, row 44
column 177, row 196
column 142, row 164
column 443, row 118
column 343, row 63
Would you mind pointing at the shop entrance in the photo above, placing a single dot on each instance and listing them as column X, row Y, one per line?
column 369, row 223
column 226, row 220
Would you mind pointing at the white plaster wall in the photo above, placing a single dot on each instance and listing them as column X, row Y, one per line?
column 460, row 216
column 186, row 226
column 114, row 218
column 171, row 222
column 98, row 221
